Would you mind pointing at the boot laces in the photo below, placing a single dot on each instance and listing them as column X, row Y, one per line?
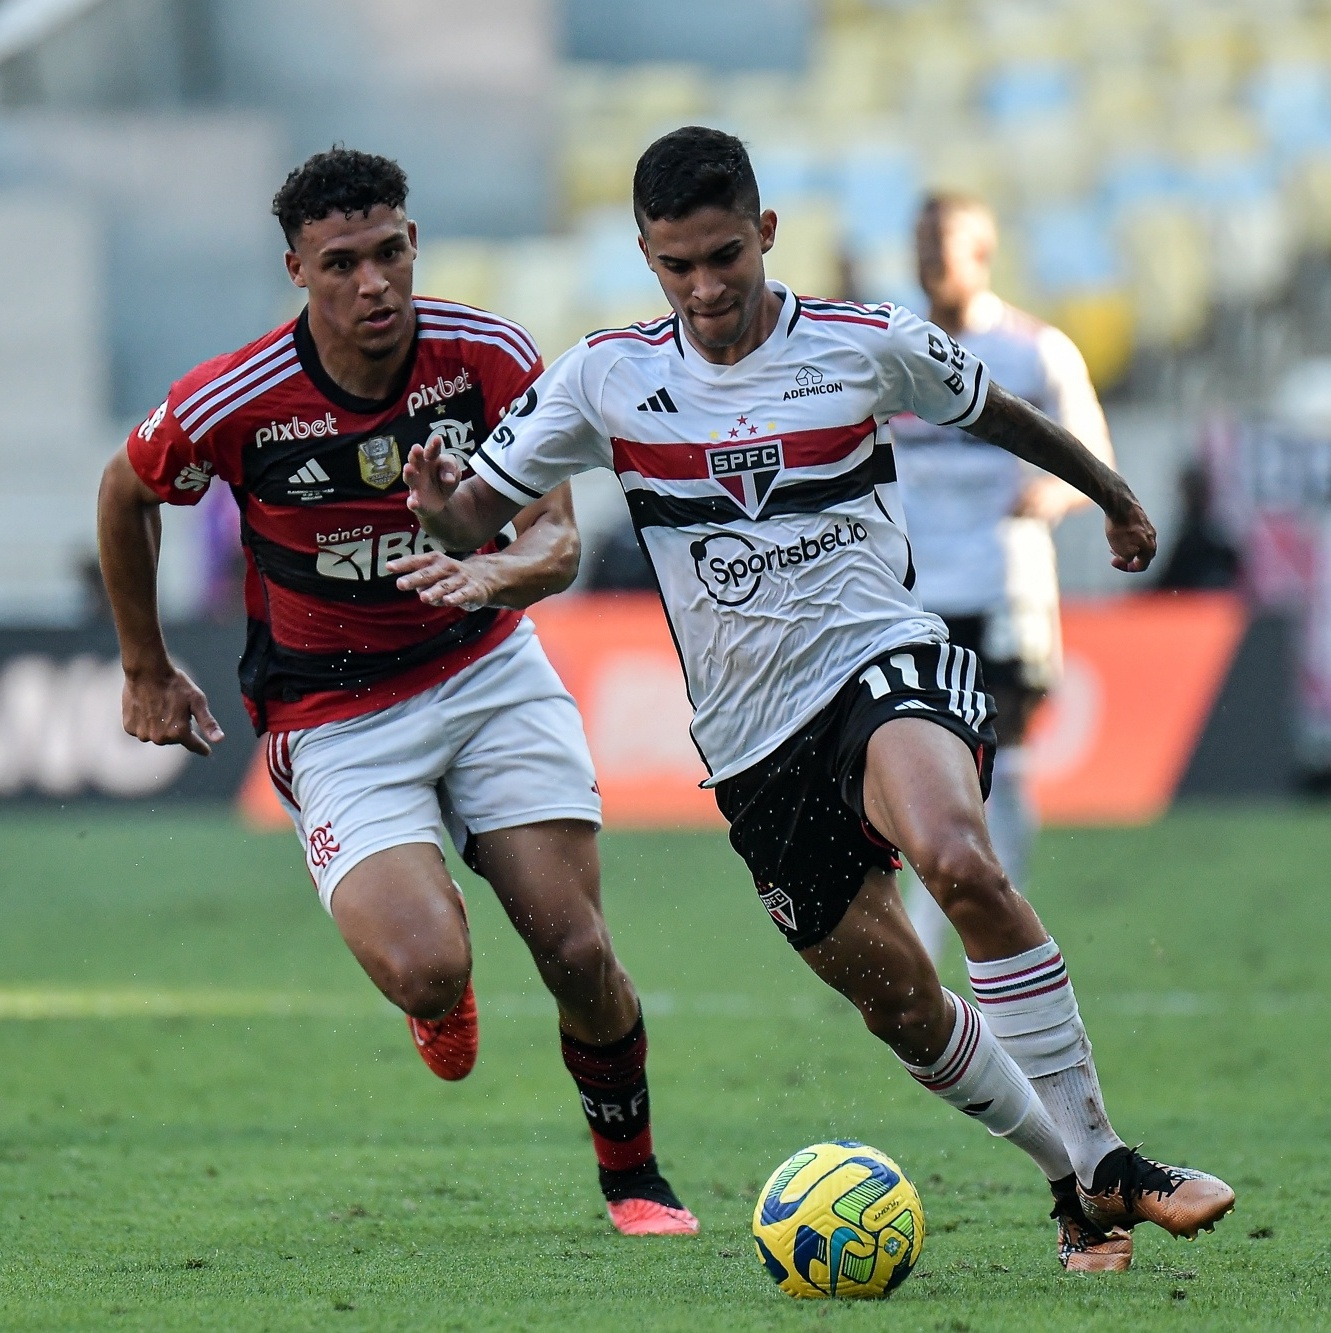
column 1135, row 1175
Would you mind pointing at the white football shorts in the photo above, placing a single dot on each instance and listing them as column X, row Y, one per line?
column 496, row 746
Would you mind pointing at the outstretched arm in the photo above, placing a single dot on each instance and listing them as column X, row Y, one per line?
column 1014, row 425
column 541, row 562
column 160, row 703
column 462, row 515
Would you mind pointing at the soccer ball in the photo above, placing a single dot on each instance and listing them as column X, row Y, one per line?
column 839, row 1219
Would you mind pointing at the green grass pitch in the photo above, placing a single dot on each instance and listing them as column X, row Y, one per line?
column 209, row 1120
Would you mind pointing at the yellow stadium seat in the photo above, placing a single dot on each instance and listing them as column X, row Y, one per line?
column 459, row 270
column 1165, row 247
column 807, row 254
column 1103, row 325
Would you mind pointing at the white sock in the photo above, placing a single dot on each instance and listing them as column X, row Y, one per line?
column 980, row 1079
column 931, row 925
column 1029, row 1002
column 1010, row 816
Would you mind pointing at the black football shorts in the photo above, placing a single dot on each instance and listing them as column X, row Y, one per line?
column 797, row 816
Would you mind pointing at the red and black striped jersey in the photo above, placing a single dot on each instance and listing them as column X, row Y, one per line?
column 317, row 474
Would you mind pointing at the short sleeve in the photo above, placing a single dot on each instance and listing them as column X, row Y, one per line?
column 922, row 369
column 554, row 432
column 1070, row 395
column 510, row 368
column 177, row 466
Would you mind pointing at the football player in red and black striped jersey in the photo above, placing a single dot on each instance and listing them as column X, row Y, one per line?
column 389, row 720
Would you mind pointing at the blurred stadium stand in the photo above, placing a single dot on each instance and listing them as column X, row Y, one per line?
column 1161, row 169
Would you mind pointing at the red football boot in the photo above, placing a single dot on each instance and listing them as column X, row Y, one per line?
column 646, row 1217
column 449, row 1044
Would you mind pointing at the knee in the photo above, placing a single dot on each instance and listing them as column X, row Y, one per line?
column 583, row 953
column 965, row 876
column 907, row 1017
column 425, row 984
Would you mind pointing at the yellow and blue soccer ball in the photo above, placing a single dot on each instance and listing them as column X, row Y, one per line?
column 839, row 1219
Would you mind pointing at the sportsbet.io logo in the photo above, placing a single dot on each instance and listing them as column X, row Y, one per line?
column 731, row 567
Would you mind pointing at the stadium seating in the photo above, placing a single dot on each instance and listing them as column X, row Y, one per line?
column 1152, row 161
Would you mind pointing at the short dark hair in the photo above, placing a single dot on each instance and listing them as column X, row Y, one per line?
column 692, row 168
column 340, row 180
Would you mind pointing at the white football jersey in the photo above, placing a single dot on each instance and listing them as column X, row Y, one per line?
column 764, row 494
column 959, row 491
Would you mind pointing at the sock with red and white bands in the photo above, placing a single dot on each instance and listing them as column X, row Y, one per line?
column 1029, row 1002
column 612, row 1082
column 981, row 1080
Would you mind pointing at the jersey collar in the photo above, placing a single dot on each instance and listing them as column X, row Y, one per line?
column 331, row 389
column 759, row 358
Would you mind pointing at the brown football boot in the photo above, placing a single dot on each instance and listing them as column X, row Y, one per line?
column 1129, row 1188
column 1082, row 1246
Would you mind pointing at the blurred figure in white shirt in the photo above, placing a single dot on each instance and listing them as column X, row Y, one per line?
column 980, row 519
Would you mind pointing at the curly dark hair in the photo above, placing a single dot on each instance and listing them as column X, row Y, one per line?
column 340, row 180
column 692, row 168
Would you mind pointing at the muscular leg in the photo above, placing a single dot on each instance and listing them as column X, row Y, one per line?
column 399, row 914
column 548, row 878
column 921, row 792
column 874, row 958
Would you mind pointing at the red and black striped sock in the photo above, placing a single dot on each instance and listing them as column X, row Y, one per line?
column 612, row 1083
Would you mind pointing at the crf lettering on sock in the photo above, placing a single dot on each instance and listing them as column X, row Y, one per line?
column 612, row 1086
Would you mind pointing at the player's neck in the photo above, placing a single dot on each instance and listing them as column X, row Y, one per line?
column 758, row 332
column 371, row 378
column 954, row 317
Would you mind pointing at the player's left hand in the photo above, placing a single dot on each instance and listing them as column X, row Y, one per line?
column 1131, row 538
column 439, row 580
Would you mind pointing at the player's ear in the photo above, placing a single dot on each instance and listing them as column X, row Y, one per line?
column 411, row 238
column 767, row 229
column 642, row 245
column 295, row 269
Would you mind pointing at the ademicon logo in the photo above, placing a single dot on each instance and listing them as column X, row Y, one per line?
column 731, row 566
column 60, row 732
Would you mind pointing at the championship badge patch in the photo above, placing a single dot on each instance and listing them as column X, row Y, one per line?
column 380, row 462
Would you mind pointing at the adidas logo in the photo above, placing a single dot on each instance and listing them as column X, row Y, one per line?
column 660, row 401
column 912, row 703
column 310, row 475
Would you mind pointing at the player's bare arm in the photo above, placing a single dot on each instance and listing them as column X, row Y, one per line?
column 1014, row 425
column 461, row 514
column 160, row 703
column 542, row 561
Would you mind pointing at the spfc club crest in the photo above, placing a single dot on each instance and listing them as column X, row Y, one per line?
column 747, row 472
column 780, row 907
column 380, row 462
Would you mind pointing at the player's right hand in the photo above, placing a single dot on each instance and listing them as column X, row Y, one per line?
column 1131, row 538
column 432, row 475
column 162, row 707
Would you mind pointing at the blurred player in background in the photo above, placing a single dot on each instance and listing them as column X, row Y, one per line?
column 980, row 518
column 390, row 721
column 749, row 430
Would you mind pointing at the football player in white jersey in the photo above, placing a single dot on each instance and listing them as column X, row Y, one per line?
column 750, row 432
column 980, row 518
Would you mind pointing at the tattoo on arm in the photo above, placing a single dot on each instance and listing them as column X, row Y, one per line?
column 1014, row 425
